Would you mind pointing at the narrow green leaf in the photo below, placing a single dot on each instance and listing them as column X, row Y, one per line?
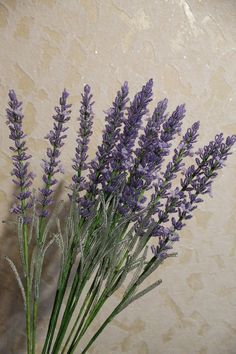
column 18, row 279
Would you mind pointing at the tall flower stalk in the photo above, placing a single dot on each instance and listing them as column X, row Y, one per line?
column 51, row 166
column 112, row 220
column 23, row 181
column 78, row 184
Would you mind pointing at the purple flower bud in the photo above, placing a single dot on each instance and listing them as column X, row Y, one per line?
column 55, row 137
column 20, row 171
column 85, row 131
column 121, row 157
column 99, row 171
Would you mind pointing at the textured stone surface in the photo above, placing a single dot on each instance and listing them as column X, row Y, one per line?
column 188, row 47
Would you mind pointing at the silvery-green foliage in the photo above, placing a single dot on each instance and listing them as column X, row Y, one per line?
column 18, row 279
column 104, row 231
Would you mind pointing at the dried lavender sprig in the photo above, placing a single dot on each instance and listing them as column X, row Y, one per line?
column 51, row 165
column 154, row 146
column 183, row 150
column 121, row 158
column 196, row 182
column 191, row 174
column 23, row 178
column 85, row 131
column 111, row 135
column 163, row 187
column 98, row 168
column 23, row 181
column 162, row 256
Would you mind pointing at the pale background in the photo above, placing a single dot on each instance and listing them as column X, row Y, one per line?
column 188, row 47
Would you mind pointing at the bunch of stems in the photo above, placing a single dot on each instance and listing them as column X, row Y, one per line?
column 105, row 233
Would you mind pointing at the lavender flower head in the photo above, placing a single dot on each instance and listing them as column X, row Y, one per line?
column 99, row 171
column 51, row 165
column 114, row 217
column 111, row 135
column 22, row 177
column 122, row 170
column 154, row 145
column 121, row 158
column 197, row 181
column 85, row 131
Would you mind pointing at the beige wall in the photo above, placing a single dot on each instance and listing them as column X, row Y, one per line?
column 188, row 47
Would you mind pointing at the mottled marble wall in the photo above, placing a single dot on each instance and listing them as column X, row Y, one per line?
column 188, row 47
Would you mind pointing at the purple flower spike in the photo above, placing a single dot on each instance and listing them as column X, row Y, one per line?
column 51, row 165
column 121, row 158
column 198, row 181
column 98, row 169
column 111, row 134
column 23, row 178
column 85, row 131
column 183, row 150
column 141, row 173
column 154, row 146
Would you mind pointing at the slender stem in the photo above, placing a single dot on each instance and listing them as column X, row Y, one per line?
column 28, row 290
column 88, row 302
column 57, row 306
column 46, row 343
column 68, row 312
column 72, row 331
column 105, row 323
column 72, row 301
column 55, row 313
column 115, row 312
column 89, row 294
column 90, row 318
column 35, row 315
column 97, row 308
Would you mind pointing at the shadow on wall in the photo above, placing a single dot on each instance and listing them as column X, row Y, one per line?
column 12, row 318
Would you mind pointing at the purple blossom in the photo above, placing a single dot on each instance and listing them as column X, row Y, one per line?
column 162, row 185
column 99, row 167
column 122, row 170
column 197, row 181
column 51, row 166
column 154, row 145
column 111, row 134
column 22, row 177
column 121, row 157
column 85, row 131
column 183, row 150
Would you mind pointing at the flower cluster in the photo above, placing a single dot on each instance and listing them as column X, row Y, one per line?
column 85, row 131
column 114, row 118
column 51, row 165
column 154, row 145
column 121, row 157
column 127, row 196
column 99, row 171
column 22, row 177
column 121, row 168
column 196, row 181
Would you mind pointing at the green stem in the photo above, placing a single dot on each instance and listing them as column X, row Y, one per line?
column 55, row 313
column 90, row 318
column 28, row 290
column 114, row 313
column 72, row 301
column 97, row 308
column 68, row 312
column 90, row 296
column 35, row 315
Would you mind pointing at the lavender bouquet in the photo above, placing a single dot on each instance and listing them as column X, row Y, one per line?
column 135, row 195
